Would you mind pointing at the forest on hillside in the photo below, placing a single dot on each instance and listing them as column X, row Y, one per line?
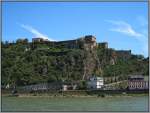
column 24, row 64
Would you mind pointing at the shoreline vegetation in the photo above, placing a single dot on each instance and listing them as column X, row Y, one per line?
column 75, row 94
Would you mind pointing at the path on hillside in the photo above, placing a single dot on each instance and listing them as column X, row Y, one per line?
column 114, row 83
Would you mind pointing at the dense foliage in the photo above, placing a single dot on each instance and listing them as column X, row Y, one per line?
column 24, row 63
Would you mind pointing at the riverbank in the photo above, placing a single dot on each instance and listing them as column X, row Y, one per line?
column 87, row 96
column 78, row 93
column 74, row 96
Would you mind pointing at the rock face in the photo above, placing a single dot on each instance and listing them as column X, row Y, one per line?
column 87, row 45
column 92, row 62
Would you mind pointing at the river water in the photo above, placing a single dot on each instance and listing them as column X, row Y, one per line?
column 135, row 103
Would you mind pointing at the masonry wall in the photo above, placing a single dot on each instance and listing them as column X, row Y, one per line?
column 125, row 54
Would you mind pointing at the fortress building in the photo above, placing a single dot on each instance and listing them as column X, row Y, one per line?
column 39, row 39
column 125, row 54
column 103, row 45
column 87, row 42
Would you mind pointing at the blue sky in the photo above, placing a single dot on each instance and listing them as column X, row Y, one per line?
column 124, row 25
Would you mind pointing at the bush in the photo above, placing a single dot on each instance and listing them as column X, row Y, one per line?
column 82, row 85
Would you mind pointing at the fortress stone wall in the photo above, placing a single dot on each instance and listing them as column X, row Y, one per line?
column 87, row 42
column 125, row 54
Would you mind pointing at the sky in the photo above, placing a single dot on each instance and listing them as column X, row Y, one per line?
column 124, row 25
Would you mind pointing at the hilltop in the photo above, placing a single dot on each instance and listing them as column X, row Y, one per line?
column 41, row 61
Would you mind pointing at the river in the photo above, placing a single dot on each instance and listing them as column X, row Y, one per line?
column 135, row 103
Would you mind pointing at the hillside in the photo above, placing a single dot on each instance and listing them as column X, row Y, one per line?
column 41, row 61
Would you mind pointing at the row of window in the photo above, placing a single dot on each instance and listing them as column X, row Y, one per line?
column 138, row 84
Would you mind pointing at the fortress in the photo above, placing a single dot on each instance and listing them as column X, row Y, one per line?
column 87, row 43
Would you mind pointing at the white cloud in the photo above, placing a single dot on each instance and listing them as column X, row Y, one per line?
column 125, row 28
column 35, row 32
